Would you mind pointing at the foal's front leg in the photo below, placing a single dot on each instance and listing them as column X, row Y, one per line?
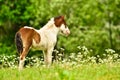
column 48, row 56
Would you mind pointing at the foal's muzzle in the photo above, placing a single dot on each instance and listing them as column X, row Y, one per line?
column 66, row 32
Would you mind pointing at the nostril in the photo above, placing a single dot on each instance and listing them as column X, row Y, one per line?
column 68, row 32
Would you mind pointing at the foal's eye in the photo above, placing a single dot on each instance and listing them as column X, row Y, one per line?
column 65, row 26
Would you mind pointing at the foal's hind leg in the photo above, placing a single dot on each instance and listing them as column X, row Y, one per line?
column 22, row 57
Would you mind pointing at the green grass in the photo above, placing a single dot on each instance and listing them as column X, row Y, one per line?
column 73, row 67
column 64, row 72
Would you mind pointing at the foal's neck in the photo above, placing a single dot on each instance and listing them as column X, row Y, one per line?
column 50, row 27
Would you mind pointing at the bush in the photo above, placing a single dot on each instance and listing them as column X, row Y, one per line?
column 94, row 24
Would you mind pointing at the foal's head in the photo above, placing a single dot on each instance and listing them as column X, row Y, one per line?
column 61, row 24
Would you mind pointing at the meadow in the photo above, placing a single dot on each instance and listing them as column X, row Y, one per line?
column 64, row 72
column 94, row 24
column 73, row 67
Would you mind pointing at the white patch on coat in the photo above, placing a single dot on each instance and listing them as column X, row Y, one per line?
column 64, row 29
column 28, row 27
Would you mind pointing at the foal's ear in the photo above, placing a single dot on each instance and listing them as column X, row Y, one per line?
column 59, row 20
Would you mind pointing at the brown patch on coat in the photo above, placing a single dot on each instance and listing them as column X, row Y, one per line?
column 59, row 21
column 36, row 37
column 28, row 35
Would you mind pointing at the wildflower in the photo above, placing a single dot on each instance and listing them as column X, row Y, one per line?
column 79, row 47
column 72, row 55
column 100, row 60
column 60, row 54
column 84, row 48
column 115, row 56
column 62, row 49
column 110, row 51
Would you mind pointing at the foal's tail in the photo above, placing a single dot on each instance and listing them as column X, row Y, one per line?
column 19, row 43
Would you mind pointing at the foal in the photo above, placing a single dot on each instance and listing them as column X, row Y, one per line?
column 43, row 39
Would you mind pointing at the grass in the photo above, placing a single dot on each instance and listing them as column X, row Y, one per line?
column 76, row 66
column 64, row 72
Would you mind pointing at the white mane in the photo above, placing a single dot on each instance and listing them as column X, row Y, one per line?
column 49, row 24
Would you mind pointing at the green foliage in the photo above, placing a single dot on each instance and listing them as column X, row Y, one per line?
column 93, row 23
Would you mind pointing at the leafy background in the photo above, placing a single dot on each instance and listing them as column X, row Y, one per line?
column 93, row 23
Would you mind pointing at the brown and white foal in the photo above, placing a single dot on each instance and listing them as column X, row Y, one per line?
column 43, row 39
